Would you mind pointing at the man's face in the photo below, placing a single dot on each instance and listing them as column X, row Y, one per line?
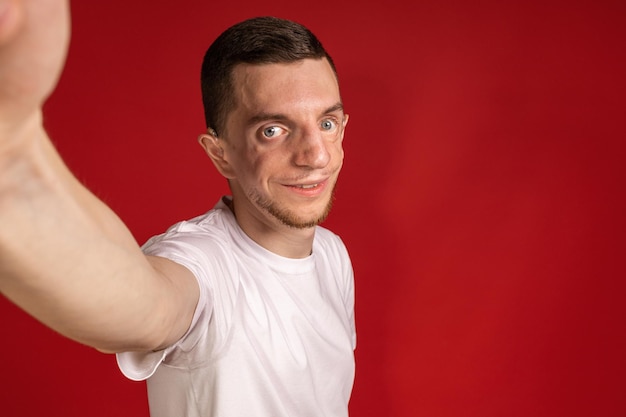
column 283, row 142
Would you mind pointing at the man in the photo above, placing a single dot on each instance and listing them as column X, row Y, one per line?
column 244, row 311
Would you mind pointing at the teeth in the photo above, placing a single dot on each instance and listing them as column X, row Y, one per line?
column 308, row 186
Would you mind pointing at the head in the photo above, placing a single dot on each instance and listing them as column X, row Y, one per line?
column 261, row 40
column 275, row 122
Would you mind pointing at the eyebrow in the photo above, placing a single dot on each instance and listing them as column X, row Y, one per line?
column 262, row 117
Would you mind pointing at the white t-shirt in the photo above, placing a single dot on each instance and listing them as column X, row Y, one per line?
column 271, row 336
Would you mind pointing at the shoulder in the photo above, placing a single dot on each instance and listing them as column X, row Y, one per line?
column 209, row 229
column 329, row 246
column 327, row 238
column 202, row 244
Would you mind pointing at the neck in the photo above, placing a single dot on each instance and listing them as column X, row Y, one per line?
column 274, row 236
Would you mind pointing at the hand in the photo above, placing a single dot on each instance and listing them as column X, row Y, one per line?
column 34, row 35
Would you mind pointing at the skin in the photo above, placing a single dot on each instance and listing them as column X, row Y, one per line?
column 282, row 151
column 69, row 261
column 65, row 257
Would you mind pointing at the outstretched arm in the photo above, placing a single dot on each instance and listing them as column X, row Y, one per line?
column 65, row 257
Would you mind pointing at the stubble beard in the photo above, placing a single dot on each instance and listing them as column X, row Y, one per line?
column 288, row 217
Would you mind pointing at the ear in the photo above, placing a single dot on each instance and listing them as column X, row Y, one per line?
column 214, row 148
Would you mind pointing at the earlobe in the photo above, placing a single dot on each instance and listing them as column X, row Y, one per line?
column 213, row 147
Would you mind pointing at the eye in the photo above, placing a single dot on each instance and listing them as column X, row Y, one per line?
column 272, row 131
column 328, row 124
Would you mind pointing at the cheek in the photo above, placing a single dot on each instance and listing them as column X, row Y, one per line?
column 245, row 160
column 258, row 166
column 338, row 152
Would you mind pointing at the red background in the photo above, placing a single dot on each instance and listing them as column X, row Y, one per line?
column 482, row 198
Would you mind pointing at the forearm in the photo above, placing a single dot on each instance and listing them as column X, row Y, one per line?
column 68, row 260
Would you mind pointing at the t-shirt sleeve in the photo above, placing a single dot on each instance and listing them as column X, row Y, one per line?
column 348, row 274
column 346, row 284
column 139, row 366
column 350, row 304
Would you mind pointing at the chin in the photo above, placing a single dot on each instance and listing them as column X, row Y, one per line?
column 296, row 220
column 297, row 216
column 293, row 217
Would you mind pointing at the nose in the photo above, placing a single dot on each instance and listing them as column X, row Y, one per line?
column 312, row 150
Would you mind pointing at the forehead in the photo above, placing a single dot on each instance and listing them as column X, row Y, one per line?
column 307, row 84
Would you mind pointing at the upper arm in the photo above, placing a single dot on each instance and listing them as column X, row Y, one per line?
column 180, row 298
column 166, row 310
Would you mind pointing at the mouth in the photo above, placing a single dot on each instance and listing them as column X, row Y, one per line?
column 309, row 188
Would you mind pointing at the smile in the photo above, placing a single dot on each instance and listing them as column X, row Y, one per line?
column 309, row 189
column 307, row 186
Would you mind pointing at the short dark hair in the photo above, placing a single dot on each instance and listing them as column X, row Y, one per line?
column 260, row 40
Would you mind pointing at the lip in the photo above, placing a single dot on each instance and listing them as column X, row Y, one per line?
column 310, row 188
